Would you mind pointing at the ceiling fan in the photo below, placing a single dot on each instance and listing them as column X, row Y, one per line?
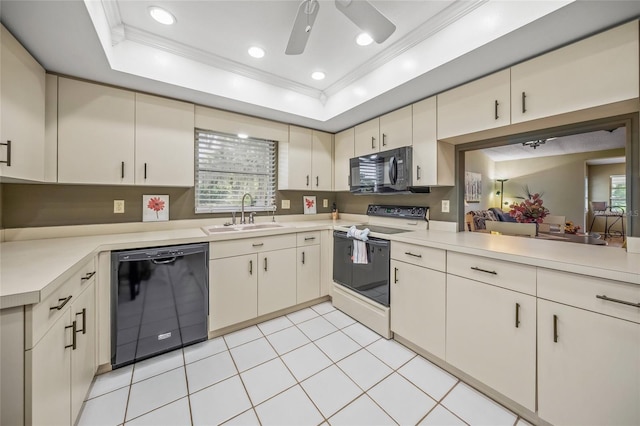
column 360, row 12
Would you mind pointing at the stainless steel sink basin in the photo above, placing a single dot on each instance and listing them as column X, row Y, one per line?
column 239, row 228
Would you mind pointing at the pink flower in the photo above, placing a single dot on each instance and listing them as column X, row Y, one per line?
column 156, row 204
column 530, row 210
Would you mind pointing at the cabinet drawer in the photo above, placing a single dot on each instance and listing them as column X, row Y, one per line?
column 244, row 246
column 512, row 276
column 418, row 255
column 308, row 238
column 41, row 316
column 582, row 291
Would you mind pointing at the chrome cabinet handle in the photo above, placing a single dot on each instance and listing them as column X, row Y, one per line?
column 555, row 329
column 408, row 253
column 74, row 330
column 372, row 142
column 417, row 172
column 88, row 276
column 60, row 305
column 495, row 107
column 624, row 302
column 517, row 315
column 475, row 268
column 84, row 321
column 384, row 140
column 8, row 160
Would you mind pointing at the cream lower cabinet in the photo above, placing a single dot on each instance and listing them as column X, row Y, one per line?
column 308, row 259
column 250, row 277
column 491, row 335
column 418, row 306
column 588, row 350
column 60, row 366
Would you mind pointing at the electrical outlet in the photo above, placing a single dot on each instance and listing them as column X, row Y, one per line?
column 118, row 206
column 445, row 206
column 325, row 202
column 286, row 204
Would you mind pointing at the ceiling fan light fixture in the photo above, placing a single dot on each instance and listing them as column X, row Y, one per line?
column 161, row 15
column 318, row 75
column 534, row 144
column 256, row 52
column 364, row 39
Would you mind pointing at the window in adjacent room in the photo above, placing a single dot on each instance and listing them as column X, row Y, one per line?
column 618, row 191
column 228, row 166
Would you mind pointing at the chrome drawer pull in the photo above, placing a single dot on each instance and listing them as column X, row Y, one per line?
column 475, row 268
column 309, row 238
column 257, row 244
column 624, row 302
column 60, row 305
column 408, row 253
column 88, row 276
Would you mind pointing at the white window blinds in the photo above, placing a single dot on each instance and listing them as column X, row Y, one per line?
column 228, row 167
column 618, row 191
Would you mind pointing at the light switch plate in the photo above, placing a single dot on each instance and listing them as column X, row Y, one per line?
column 286, row 204
column 445, row 206
column 325, row 202
column 118, row 206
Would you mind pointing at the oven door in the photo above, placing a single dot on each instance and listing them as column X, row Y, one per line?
column 369, row 279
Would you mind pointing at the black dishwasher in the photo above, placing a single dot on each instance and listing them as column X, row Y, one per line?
column 159, row 300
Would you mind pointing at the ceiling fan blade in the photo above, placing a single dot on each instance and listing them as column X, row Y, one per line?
column 367, row 18
column 302, row 26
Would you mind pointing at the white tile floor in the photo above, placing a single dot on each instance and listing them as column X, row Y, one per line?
column 315, row 366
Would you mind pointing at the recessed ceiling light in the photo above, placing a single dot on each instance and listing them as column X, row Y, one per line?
column 243, row 135
column 161, row 15
column 256, row 52
column 317, row 75
column 364, row 39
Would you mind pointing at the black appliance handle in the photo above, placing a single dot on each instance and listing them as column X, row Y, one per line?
column 393, row 170
column 164, row 261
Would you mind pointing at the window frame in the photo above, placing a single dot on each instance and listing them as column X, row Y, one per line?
column 618, row 201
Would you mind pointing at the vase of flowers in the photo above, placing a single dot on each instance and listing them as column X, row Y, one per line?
column 530, row 210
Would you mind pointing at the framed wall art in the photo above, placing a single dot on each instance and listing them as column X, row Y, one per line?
column 472, row 187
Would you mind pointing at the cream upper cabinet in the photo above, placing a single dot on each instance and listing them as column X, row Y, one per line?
column 491, row 335
column 305, row 161
column 479, row 105
column 164, row 141
column 433, row 160
column 343, row 152
column 234, row 124
column 96, row 131
column 367, row 137
column 396, row 129
column 22, row 92
column 596, row 71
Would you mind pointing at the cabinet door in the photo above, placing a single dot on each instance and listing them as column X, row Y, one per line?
column 322, row 161
column 308, row 273
column 95, row 133
column 48, row 376
column 480, row 105
column 344, row 151
column 233, row 296
column 276, row 280
column 367, row 137
column 396, row 129
column 589, row 374
column 418, row 306
column 164, row 142
column 491, row 335
column 83, row 358
column 297, row 162
column 433, row 160
column 596, row 71
column 22, row 91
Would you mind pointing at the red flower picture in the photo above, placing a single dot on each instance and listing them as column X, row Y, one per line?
column 309, row 203
column 158, row 204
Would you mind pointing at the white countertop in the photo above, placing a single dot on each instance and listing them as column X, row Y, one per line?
column 30, row 270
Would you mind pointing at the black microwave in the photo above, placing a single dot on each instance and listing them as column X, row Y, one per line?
column 384, row 172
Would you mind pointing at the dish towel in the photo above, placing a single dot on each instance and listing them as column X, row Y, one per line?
column 359, row 246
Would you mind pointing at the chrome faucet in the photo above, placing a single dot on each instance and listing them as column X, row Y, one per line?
column 242, row 220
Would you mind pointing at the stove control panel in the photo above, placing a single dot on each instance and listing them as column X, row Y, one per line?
column 405, row 212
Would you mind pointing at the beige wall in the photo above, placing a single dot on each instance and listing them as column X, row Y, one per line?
column 478, row 162
column 561, row 179
column 599, row 176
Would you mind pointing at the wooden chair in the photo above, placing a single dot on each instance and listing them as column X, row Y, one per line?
column 553, row 224
column 512, row 228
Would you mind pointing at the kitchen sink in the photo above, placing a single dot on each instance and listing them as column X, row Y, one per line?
column 239, row 228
